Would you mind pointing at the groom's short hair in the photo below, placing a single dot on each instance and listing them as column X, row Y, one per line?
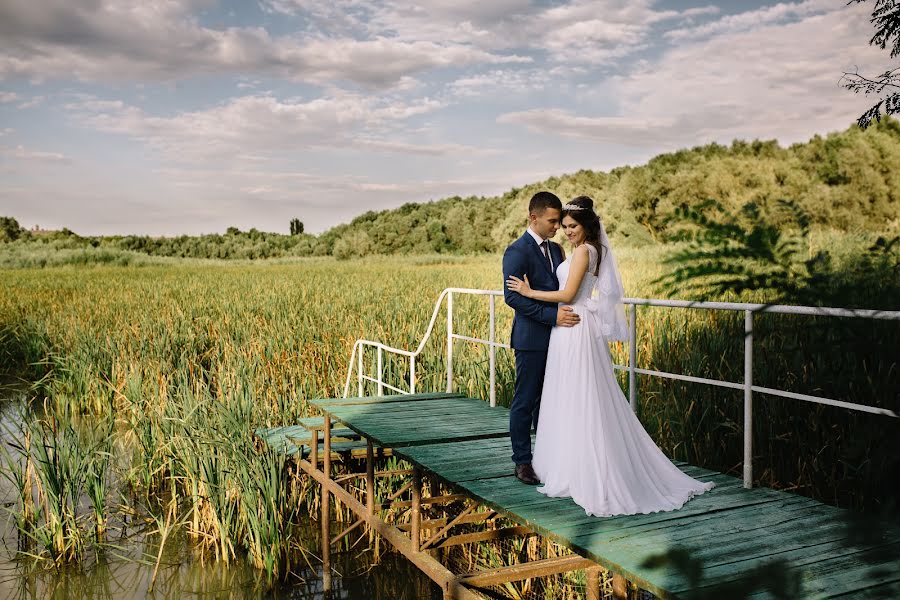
column 542, row 201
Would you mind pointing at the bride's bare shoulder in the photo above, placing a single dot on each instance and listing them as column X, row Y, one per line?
column 582, row 250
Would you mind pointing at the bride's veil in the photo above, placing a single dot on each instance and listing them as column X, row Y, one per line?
column 608, row 294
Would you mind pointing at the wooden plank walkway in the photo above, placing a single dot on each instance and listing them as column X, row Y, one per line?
column 733, row 532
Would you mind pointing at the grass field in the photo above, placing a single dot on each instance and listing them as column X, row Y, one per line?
column 181, row 361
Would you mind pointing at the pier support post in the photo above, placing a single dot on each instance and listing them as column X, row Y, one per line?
column 619, row 587
column 370, row 478
column 326, row 513
column 414, row 531
column 593, row 582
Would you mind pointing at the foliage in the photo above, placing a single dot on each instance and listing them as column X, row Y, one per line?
column 9, row 229
column 848, row 181
column 296, row 226
column 886, row 19
column 765, row 249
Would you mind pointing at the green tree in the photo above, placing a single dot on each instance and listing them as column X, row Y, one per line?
column 9, row 229
column 296, row 226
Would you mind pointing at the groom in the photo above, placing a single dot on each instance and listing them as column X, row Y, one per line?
column 536, row 256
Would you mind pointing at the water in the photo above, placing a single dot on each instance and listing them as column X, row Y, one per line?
column 124, row 568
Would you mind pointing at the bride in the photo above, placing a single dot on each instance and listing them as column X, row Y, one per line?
column 589, row 444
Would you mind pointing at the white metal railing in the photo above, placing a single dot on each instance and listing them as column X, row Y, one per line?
column 746, row 385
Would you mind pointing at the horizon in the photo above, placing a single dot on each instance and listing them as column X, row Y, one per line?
column 191, row 116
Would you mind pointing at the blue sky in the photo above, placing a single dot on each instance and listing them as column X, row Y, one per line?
column 165, row 117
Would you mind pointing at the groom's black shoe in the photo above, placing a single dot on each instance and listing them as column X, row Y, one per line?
column 526, row 474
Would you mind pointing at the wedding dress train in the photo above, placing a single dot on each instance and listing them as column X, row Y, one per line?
column 589, row 443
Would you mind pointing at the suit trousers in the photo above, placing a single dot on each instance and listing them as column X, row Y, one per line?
column 526, row 402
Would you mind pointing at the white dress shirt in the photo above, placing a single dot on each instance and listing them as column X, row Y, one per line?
column 538, row 239
column 540, row 242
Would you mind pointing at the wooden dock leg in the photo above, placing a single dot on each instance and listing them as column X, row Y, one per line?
column 326, row 513
column 414, row 533
column 370, row 478
column 620, row 587
column 593, row 582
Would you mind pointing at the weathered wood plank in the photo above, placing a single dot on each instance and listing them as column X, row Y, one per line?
column 795, row 559
column 383, row 399
column 851, row 575
column 422, row 411
column 537, row 568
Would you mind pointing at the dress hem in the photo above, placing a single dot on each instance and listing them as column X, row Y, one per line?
column 693, row 494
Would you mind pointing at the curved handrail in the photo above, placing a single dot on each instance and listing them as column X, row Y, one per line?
column 413, row 354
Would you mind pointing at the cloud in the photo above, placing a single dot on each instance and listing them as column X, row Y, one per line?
column 8, row 97
column 750, row 20
column 629, row 131
column 503, row 80
column 598, row 31
column 423, row 149
column 579, row 31
column 778, row 80
column 263, row 126
column 23, row 154
column 378, row 187
column 120, row 40
column 32, row 102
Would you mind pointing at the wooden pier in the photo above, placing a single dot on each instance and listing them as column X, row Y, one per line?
column 735, row 536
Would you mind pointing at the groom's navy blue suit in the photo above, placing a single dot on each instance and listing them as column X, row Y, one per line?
column 531, row 328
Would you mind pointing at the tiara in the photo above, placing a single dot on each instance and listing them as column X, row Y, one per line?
column 571, row 206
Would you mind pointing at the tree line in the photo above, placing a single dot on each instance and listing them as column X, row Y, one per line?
column 847, row 181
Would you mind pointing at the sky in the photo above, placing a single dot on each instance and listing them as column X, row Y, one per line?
column 169, row 117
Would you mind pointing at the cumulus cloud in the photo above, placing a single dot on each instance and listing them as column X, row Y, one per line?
column 597, row 31
column 591, row 31
column 119, row 40
column 261, row 126
column 777, row 80
column 752, row 19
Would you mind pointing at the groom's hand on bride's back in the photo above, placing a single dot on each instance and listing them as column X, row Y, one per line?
column 566, row 317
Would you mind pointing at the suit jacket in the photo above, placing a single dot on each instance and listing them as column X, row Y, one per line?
column 533, row 319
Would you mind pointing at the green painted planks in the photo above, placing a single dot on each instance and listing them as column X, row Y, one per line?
column 695, row 524
column 384, row 399
column 857, row 574
column 797, row 560
column 423, row 410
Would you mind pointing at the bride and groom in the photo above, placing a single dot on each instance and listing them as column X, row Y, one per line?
column 589, row 444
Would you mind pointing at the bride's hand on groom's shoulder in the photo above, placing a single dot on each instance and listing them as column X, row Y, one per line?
column 520, row 286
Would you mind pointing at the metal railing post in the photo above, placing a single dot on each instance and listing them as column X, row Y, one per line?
column 359, row 369
column 748, row 399
column 450, row 342
column 493, row 359
column 412, row 373
column 632, row 360
column 380, row 371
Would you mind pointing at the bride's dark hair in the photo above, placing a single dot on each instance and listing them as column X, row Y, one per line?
column 582, row 210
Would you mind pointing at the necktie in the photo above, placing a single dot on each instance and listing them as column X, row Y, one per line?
column 546, row 248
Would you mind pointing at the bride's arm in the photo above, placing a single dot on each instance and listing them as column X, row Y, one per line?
column 577, row 269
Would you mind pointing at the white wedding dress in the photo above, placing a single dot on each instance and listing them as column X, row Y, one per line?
column 589, row 444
